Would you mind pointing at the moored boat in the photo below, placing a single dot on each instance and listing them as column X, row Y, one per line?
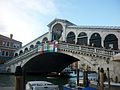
column 41, row 85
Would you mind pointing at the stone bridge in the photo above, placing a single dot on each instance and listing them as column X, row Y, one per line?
column 92, row 46
column 88, row 56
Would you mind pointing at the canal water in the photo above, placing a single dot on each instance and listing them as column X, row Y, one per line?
column 9, row 81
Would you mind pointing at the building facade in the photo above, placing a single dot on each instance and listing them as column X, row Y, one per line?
column 7, row 47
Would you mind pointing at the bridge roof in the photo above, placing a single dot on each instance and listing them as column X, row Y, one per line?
column 61, row 20
column 49, row 62
column 96, row 27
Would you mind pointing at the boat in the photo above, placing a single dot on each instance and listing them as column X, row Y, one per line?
column 72, row 85
column 74, row 74
column 41, row 85
column 91, row 76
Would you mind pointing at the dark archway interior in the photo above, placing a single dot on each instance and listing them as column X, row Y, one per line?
column 95, row 40
column 57, row 32
column 111, row 42
column 82, row 38
column 49, row 62
column 71, row 38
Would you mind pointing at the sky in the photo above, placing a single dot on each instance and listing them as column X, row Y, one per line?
column 28, row 19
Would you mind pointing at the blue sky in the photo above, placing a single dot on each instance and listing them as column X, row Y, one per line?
column 28, row 19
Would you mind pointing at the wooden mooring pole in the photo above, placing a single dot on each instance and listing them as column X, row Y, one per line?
column 102, row 79
column 108, row 77
column 78, row 71
column 18, row 78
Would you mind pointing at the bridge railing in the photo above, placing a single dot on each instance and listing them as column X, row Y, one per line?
column 22, row 56
column 67, row 46
column 88, row 49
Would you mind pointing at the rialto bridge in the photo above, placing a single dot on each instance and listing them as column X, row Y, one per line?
column 65, row 42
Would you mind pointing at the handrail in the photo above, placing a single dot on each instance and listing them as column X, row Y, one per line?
column 74, row 47
column 28, row 53
column 88, row 49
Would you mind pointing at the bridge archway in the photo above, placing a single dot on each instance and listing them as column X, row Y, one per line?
column 21, row 52
column 49, row 62
column 111, row 42
column 31, row 47
column 95, row 40
column 45, row 39
column 26, row 50
column 71, row 38
column 57, row 31
column 82, row 38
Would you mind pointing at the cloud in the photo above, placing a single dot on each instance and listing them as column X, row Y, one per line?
column 20, row 17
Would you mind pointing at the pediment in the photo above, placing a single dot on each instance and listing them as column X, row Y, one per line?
column 68, row 23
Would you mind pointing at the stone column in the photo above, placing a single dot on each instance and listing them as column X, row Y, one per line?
column 64, row 32
column 50, row 34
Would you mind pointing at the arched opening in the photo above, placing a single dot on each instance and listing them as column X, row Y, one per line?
column 16, row 54
column 57, row 32
column 49, row 62
column 31, row 47
column 21, row 52
column 45, row 39
column 111, row 42
column 26, row 50
column 37, row 43
column 82, row 38
column 95, row 40
column 71, row 38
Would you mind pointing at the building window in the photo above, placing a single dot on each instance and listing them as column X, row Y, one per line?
column 3, row 53
column 3, row 43
column 7, row 53
column 8, row 44
column 16, row 45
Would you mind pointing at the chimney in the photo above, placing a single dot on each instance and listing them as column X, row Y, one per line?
column 11, row 36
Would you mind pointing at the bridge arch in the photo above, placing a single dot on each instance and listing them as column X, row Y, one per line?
column 82, row 38
column 38, row 42
column 71, row 37
column 21, row 52
column 83, row 61
column 57, row 31
column 31, row 47
column 26, row 50
column 16, row 54
column 111, row 42
column 95, row 40
column 48, row 62
column 45, row 39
